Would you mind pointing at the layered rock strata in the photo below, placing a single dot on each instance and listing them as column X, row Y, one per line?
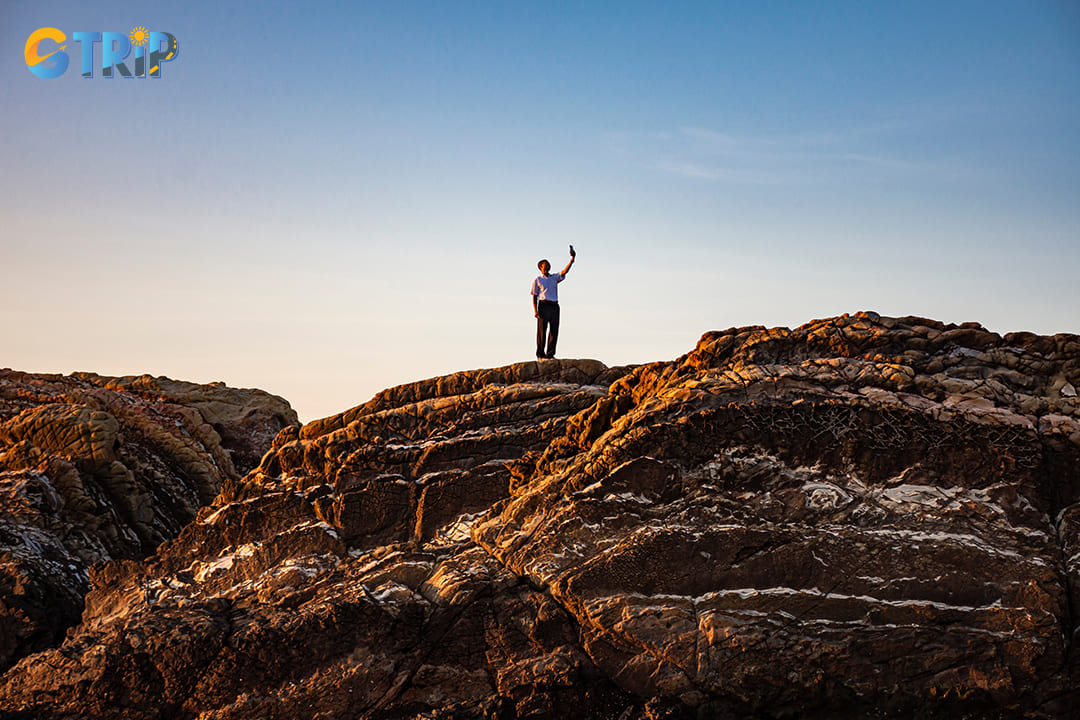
column 862, row 517
column 95, row 469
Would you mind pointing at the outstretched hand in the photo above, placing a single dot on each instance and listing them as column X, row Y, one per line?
column 573, row 256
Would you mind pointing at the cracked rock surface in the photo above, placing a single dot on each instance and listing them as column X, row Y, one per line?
column 863, row 517
column 96, row 468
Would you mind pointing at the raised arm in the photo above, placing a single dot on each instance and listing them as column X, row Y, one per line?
column 573, row 256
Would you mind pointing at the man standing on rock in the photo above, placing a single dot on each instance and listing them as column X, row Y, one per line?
column 545, row 298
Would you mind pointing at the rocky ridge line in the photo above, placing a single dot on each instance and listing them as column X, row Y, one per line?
column 861, row 517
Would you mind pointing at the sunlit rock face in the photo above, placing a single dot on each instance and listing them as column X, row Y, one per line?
column 95, row 468
column 864, row 517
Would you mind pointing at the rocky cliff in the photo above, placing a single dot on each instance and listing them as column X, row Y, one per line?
column 863, row 517
column 94, row 469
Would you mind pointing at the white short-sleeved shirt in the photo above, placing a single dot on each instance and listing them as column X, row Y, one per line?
column 547, row 288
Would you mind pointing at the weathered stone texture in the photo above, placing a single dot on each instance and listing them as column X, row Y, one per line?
column 94, row 469
column 863, row 517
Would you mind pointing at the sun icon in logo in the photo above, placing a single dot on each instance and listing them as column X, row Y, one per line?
column 139, row 36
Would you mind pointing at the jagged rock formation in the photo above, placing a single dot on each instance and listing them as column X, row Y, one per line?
column 95, row 468
column 863, row 517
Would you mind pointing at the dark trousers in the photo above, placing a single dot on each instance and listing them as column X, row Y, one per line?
column 547, row 327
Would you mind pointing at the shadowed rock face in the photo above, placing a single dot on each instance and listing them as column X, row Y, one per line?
column 863, row 517
column 94, row 469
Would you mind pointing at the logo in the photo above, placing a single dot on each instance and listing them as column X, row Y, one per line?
column 148, row 49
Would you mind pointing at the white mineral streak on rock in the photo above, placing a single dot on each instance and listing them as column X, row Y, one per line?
column 628, row 497
column 657, row 601
column 203, row 570
column 920, row 494
column 308, row 565
column 823, row 496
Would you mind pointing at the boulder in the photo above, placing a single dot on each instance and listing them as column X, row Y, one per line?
column 95, row 469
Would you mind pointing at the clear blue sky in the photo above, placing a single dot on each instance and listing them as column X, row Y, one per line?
column 323, row 199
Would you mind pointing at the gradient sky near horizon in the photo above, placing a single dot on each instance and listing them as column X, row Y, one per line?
column 324, row 199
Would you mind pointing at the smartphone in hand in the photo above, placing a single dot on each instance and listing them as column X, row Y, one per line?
column 572, row 253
